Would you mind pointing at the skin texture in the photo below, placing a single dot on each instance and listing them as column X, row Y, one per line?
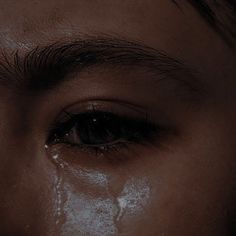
column 184, row 185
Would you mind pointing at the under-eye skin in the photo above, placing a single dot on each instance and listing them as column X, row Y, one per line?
column 104, row 130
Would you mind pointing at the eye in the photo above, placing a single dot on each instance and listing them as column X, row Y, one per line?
column 101, row 131
column 98, row 129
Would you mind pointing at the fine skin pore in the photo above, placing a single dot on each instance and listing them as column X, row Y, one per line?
column 179, row 183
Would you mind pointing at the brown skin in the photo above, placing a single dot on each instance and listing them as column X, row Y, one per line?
column 184, row 186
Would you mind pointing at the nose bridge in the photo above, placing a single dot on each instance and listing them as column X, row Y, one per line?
column 16, row 153
column 14, row 138
column 18, row 144
column 25, row 182
column 13, row 175
column 21, row 151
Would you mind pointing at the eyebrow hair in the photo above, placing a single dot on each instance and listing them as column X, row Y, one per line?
column 47, row 66
column 220, row 15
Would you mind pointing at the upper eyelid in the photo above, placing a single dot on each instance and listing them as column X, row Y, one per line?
column 106, row 105
column 68, row 116
column 72, row 118
column 97, row 103
column 75, row 117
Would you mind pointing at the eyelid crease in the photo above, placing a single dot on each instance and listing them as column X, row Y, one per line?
column 110, row 105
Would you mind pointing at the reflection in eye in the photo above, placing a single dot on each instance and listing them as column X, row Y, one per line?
column 101, row 131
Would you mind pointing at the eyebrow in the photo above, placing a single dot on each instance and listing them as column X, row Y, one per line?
column 45, row 67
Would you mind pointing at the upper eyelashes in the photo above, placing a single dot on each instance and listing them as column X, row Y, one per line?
column 102, row 129
column 100, row 132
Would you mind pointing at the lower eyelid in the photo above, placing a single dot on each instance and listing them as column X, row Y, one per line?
column 116, row 154
column 111, row 156
column 122, row 147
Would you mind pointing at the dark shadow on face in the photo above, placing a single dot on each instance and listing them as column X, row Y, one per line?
column 117, row 118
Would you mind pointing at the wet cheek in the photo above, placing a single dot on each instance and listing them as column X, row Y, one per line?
column 100, row 212
column 96, row 201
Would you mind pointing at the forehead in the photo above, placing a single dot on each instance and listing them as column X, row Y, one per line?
column 160, row 24
column 33, row 21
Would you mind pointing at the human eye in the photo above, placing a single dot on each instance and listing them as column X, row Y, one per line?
column 104, row 129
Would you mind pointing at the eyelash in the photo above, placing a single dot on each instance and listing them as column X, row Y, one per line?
column 131, row 131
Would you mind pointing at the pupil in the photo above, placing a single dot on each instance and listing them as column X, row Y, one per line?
column 95, row 129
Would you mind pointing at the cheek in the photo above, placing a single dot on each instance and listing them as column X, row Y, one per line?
column 99, row 201
column 161, row 192
column 101, row 212
column 193, row 195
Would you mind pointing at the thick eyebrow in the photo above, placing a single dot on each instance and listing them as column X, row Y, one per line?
column 45, row 67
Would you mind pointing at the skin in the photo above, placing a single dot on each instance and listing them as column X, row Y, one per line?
column 183, row 186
